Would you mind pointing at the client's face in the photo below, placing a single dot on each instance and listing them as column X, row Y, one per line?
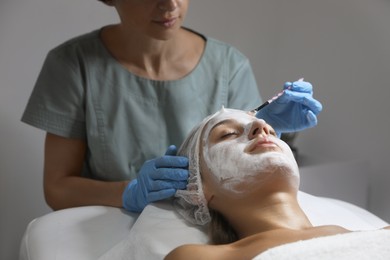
column 241, row 151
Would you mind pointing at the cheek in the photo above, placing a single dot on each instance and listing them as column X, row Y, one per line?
column 224, row 156
column 209, row 184
column 286, row 150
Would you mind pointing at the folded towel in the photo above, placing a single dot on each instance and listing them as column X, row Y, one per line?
column 355, row 245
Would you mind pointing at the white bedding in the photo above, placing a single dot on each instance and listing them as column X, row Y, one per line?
column 159, row 229
column 87, row 233
column 365, row 245
column 82, row 233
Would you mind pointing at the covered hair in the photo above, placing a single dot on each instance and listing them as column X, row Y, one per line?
column 191, row 203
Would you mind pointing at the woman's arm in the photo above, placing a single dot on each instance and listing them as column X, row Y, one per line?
column 64, row 186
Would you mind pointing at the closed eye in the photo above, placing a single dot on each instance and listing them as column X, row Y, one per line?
column 229, row 134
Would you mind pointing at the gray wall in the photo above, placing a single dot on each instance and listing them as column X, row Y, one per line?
column 342, row 47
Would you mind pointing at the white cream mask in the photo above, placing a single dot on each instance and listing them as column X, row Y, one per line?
column 229, row 161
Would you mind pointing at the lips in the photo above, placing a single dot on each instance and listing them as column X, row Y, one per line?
column 167, row 22
column 261, row 144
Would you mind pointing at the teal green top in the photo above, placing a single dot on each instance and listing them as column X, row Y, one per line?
column 83, row 92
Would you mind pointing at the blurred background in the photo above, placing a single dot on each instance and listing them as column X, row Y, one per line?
column 342, row 47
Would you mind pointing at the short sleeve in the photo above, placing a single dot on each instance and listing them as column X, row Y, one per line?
column 56, row 104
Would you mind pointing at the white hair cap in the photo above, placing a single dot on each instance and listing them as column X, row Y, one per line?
column 191, row 203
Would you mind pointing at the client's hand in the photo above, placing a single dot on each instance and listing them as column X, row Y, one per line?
column 293, row 111
column 158, row 179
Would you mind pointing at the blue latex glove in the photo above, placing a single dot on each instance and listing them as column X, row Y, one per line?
column 293, row 111
column 157, row 179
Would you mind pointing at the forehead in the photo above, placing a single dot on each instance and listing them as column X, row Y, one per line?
column 239, row 116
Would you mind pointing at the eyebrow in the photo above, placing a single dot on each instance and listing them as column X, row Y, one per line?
column 223, row 122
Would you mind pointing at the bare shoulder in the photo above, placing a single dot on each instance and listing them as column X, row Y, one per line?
column 196, row 252
column 181, row 252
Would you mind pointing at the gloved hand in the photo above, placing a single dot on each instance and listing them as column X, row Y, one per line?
column 293, row 111
column 157, row 179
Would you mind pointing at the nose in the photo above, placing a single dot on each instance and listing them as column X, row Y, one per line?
column 168, row 5
column 258, row 127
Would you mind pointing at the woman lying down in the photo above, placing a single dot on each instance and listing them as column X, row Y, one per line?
column 243, row 184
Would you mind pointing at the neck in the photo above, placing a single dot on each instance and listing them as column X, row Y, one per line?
column 153, row 58
column 275, row 211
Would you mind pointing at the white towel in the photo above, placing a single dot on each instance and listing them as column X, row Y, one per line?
column 159, row 229
column 361, row 245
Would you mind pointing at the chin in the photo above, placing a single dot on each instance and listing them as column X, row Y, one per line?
column 272, row 168
column 274, row 162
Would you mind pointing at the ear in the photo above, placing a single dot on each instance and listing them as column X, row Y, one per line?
column 206, row 182
column 207, row 191
column 208, row 185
